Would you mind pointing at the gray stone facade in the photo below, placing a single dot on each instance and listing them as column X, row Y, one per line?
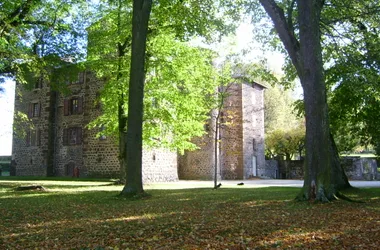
column 72, row 149
column 356, row 168
column 241, row 140
column 360, row 168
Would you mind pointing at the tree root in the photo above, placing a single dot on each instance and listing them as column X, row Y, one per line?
column 130, row 194
column 340, row 196
column 322, row 198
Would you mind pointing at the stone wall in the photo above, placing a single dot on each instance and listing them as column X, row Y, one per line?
column 291, row 169
column 241, row 139
column 231, row 135
column 360, row 168
column 89, row 156
column 68, row 157
column 356, row 169
column 159, row 165
column 30, row 160
column 100, row 154
column 271, row 170
column 199, row 164
column 253, row 129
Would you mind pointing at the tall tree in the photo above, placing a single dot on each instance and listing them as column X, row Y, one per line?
column 324, row 176
column 140, row 19
column 197, row 18
column 37, row 40
column 352, row 43
column 179, row 77
column 30, row 31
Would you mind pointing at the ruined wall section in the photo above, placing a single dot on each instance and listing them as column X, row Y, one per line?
column 30, row 160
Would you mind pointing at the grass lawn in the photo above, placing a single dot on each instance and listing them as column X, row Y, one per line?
column 88, row 215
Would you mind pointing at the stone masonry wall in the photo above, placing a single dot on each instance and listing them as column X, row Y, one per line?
column 360, row 168
column 31, row 160
column 100, row 154
column 240, row 140
column 271, row 170
column 198, row 164
column 231, row 135
column 253, row 129
column 93, row 157
column 159, row 165
column 68, row 157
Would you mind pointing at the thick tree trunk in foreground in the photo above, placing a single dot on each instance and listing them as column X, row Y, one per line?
column 141, row 13
column 324, row 176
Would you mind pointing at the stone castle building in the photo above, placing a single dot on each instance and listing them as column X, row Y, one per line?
column 57, row 141
column 240, row 146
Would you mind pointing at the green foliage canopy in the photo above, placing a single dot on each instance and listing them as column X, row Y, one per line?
column 31, row 30
column 180, row 79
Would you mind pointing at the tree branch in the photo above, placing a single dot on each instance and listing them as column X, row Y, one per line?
column 290, row 15
column 285, row 32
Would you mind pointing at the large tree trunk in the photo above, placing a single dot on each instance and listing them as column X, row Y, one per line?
column 324, row 176
column 133, row 162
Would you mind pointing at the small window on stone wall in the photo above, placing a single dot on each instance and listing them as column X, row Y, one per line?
column 79, row 79
column 34, row 110
column 253, row 98
column 81, row 76
column 38, row 83
column 72, row 136
column 154, row 157
column 33, row 137
column 73, row 106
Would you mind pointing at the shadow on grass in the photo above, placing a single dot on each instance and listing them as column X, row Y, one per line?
column 181, row 219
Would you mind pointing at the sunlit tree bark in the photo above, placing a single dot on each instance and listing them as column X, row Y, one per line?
column 324, row 176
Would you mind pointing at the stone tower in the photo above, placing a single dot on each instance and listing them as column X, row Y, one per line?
column 240, row 146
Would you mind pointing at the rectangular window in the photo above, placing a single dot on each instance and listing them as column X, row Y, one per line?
column 33, row 137
column 72, row 136
column 81, row 77
column 73, row 106
column 221, row 118
column 34, row 110
column 38, row 83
